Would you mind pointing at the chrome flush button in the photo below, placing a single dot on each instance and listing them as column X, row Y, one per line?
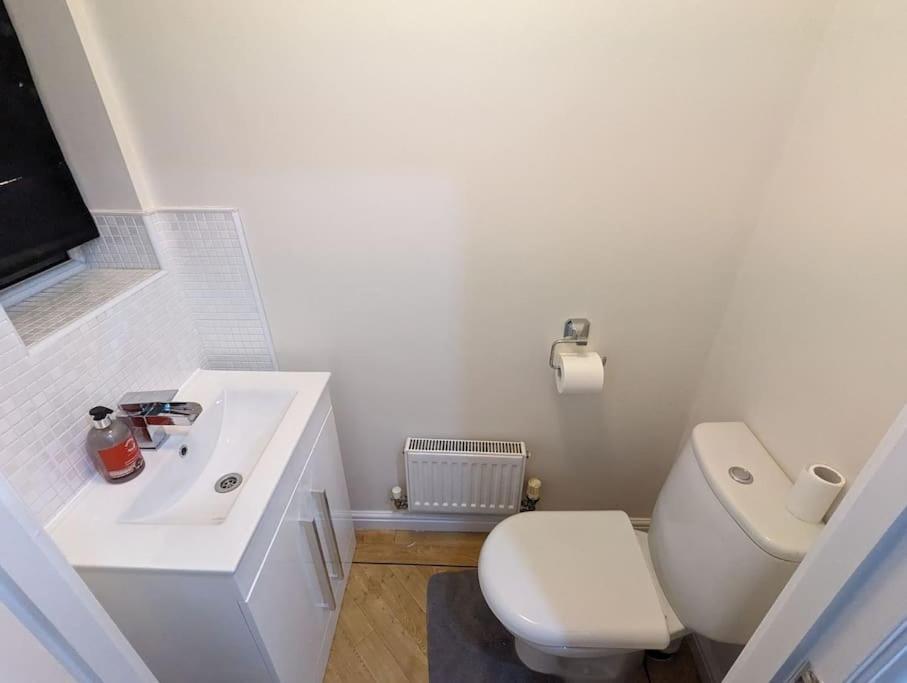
column 741, row 475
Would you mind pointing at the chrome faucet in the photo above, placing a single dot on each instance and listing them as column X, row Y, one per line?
column 148, row 411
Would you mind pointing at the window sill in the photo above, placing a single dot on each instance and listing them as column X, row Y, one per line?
column 53, row 311
column 12, row 295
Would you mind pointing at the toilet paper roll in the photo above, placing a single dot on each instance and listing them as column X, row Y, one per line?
column 813, row 492
column 579, row 373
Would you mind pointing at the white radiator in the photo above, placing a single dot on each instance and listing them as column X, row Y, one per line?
column 460, row 475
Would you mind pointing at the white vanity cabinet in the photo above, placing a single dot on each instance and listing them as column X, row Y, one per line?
column 266, row 613
column 294, row 602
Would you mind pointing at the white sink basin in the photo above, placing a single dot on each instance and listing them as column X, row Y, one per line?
column 225, row 442
column 253, row 424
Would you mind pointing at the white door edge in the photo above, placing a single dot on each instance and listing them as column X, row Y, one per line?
column 49, row 598
column 870, row 507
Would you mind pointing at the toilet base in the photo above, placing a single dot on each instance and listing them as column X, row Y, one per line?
column 580, row 665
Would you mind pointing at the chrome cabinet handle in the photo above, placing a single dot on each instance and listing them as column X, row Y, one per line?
column 321, row 499
column 321, row 568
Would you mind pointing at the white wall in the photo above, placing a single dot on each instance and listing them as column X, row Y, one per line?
column 430, row 189
column 812, row 353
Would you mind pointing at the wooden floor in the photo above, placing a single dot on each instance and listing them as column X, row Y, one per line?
column 430, row 548
column 381, row 631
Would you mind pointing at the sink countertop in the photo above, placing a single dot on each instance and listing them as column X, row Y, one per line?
column 90, row 534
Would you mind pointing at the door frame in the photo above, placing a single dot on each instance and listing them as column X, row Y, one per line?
column 48, row 597
column 871, row 506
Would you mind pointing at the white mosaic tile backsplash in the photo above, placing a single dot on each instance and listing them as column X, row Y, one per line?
column 123, row 243
column 145, row 341
column 206, row 250
column 119, row 327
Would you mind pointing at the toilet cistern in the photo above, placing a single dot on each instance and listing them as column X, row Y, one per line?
column 719, row 550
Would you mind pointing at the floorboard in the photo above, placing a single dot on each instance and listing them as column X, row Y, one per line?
column 381, row 632
column 418, row 547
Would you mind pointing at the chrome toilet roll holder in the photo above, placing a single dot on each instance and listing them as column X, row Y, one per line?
column 576, row 331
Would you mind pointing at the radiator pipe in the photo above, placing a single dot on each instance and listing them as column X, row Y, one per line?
column 399, row 499
column 533, row 495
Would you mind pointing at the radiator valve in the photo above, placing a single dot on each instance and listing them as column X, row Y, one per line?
column 533, row 495
column 398, row 498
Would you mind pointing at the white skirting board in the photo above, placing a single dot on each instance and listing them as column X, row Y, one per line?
column 423, row 521
column 415, row 521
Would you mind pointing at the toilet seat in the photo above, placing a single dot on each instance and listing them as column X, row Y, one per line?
column 572, row 580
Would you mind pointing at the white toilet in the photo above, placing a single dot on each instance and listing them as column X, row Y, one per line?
column 583, row 597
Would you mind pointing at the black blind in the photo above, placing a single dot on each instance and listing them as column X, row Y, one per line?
column 41, row 212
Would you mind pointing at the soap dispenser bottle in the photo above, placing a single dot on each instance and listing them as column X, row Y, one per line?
column 112, row 447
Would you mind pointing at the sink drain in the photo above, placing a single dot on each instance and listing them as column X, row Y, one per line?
column 228, row 482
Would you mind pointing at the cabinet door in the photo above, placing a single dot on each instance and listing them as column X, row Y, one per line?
column 335, row 519
column 291, row 601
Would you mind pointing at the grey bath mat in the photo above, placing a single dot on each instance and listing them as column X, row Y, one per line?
column 466, row 642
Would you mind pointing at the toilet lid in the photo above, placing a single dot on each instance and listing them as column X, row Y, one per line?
column 572, row 579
